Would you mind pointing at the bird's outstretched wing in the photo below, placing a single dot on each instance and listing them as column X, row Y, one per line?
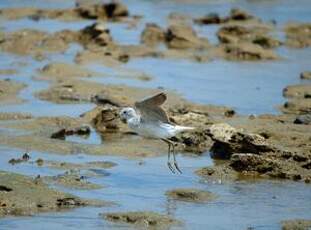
column 150, row 108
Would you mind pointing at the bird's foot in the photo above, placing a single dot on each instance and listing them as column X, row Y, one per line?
column 169, row 165
column 174, row 168
column 177, row 168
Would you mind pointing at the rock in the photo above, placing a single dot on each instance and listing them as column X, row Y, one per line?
column 297, row 106
column 111, row 11
column 235, row 15
column 39, row 161
column 206, row 171
column 297, row 91
column 25, row 157
column 247, row 51
column 107, row 120
column 124, row 58
column 37, row 14
column 306, row 75
column 21, row 195
column 9, row 90
column 191, row 117
column 212, row 18
column 303, row 119
column 190, row 195
column 62, row 133
column 5, row 189
column 237, row 33
column 218, row 174
column 195, row 141
column 252, row 163
column 68, row 202
column 33, row 42
column 147, row 220
column 239, row 15
column 286, row 152
column 73, row 180
column 298, row 35
column 228, row 140
column 266, row 41
column 152, row 34
column 90, row 11
column 297, row 224
column 232, row 33
column 64, row 92
column 98, row 33
column 229, row 113
column 102, row 99
column 184, row 37
column 115, row 10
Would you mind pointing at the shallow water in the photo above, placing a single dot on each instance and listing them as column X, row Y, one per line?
column 136, row 185
column 248, row 87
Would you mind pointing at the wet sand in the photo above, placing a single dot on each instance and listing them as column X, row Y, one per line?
column 62, row 87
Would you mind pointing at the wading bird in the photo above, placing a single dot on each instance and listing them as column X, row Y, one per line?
column 149, row 120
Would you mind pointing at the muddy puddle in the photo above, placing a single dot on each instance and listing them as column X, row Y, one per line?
column 138, row 178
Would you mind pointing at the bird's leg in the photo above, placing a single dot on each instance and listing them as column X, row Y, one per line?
column 168, row 158
column 175, row 161
column 169, row 155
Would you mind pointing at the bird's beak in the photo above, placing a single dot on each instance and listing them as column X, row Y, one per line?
column 123, row 120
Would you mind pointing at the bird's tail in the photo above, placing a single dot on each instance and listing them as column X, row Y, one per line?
column 183, row 128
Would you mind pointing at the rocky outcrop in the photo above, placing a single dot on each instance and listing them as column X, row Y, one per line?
column 111, row 11
column 21, row 195
column 142, row 219
column 304, row 119
column 177, row 36
column 184, row 37
column 296, row 167
column 306, row 75
column 298, row 35
column 297, row 106
column 252, row 163
column 34, row 42
column 228, row 140
column 297, row 91
column 96, row 33
column 106, row 119
column 236, row 15
column 211, row 18
column 9, row 91
column 237, row 33
column 152, row 34
column 62, row 133
column 247, row 51
column 299, row 99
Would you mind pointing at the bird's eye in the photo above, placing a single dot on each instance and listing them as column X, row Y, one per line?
column 124, row 112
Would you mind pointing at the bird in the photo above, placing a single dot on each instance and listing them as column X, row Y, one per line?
column 149, row 120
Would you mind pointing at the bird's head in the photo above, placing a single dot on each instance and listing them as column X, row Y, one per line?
column 127, row 113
